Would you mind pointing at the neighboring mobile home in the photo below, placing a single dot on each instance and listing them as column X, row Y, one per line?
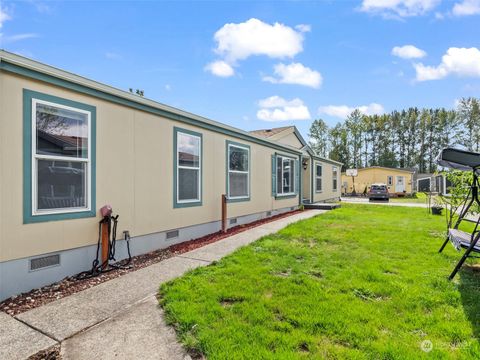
column 69, row 145
column 398, row 181
column 427, row 182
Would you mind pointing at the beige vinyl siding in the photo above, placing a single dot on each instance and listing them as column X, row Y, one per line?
column 134, row 167
column 289, row 139
column 327, row 192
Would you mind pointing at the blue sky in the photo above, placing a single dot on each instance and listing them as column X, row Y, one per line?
column 261, row 64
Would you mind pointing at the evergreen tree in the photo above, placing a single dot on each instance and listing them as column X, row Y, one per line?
column 319, row 137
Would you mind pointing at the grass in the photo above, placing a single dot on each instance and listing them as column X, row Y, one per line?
column 360, row 282
column 411, row 200
column 418, row 198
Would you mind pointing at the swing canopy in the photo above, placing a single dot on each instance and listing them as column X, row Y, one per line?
column 467, row 161
column 459, row 159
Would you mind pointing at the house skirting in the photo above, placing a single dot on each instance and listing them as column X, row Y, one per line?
column 17, row 277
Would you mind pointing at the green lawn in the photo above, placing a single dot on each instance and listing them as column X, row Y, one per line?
column 420, row 198
column 412, row 200
column 360, row 282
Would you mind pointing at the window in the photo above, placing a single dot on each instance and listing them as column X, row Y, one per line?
column 335, row 178
column 285, row 176
column 188, row 168
column 318, row 177
column 389, row 180
column 61, row 163
column 238, row 171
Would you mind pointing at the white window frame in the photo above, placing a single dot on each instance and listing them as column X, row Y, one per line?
column 429, row 183
column 36, row 157
column 238, row 172
column 293, row 175
column 317, row 178
column 199, row 168
column 334, row 178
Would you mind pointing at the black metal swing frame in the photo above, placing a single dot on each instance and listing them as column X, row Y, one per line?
column 459, row 238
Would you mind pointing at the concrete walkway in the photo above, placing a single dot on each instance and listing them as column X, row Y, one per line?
column 119, row 319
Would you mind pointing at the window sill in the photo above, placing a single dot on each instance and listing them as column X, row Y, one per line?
column 286, row 196
column 187, row 204
column 31, row 219
column 234, row 200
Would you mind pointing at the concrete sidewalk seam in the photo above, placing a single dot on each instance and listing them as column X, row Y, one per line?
column 192, row 258
column 37, row 330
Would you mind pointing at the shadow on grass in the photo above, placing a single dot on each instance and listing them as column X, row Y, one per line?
column 469, row 288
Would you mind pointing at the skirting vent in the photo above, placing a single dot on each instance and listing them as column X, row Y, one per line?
column 269, row 213
column 44, row 262
column 172, row 234
column 233, row 221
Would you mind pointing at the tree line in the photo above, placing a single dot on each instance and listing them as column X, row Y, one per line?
column 410, row 138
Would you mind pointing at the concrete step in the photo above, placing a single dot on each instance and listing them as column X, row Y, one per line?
column 322, row 206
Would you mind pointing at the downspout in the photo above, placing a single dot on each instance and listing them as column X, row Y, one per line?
column 311, row 180
column 300, row 177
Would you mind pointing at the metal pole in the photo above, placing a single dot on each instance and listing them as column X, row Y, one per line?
column 105, row 240
column 224, row 213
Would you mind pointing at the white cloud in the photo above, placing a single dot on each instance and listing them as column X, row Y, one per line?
column 276, row 108
column 304, row 28
column 398, row 8
column 408, row 52
column 464, row 62
column 342, row 111
column 466, row 7
column 3, row 16
column 254, row 37
column 18, row 37
column 220, row 68
column 295, row 73
column 112, row 55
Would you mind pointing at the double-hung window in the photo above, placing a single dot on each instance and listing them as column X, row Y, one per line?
column 188, row 168
column 285, row 176
column 334, row 178
column 238, row 171
column 318, row 177
column 59, row 170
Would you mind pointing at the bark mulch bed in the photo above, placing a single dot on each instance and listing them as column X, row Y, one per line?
column 71, row 285
column 52, row 353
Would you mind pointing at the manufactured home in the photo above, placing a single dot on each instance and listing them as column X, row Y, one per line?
column 431, row 183
column 399, row 181
column 69, row 145
column 320, row 176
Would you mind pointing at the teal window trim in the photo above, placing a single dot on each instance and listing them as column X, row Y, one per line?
column 176, row 202
column 296, row 176
column 229, row 143
column 316, row 177
column 334, row 178
column 28, row 216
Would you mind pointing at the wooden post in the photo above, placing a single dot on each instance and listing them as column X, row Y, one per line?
column 224, row 213
column 105, row 239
